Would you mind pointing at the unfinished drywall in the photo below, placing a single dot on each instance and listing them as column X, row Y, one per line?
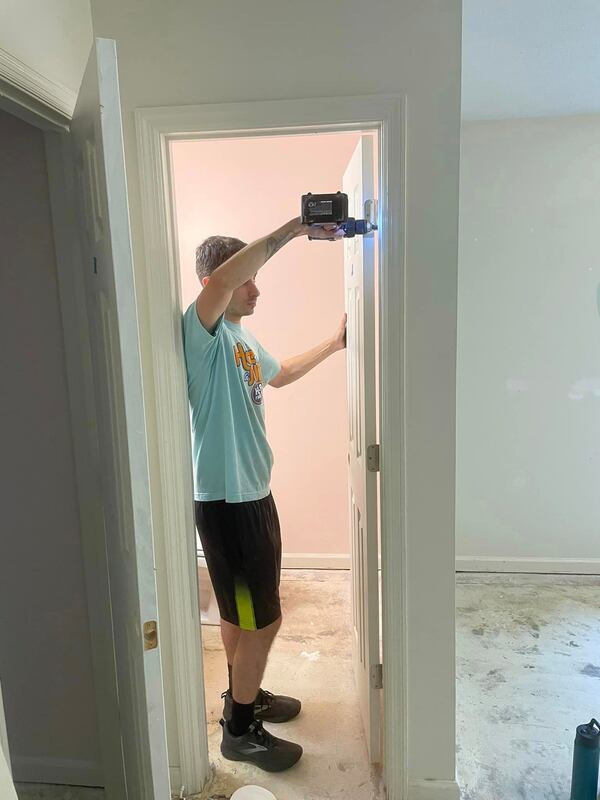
column 247, row 188
column 199, row 52
column 528, row 387
column 45, row 655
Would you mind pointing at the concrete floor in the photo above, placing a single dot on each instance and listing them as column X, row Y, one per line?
column 528, row 670
column 310, row 660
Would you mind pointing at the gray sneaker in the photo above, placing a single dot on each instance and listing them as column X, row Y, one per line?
column 260, row 748
column 267, row 707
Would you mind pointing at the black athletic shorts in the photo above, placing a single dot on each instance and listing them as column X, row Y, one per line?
column 242, row 547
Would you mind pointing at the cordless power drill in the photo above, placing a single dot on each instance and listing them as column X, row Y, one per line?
column 332, row 209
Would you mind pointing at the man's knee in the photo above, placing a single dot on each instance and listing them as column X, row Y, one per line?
column 264, row 635
column 230, row 627
column 277, row 624
column 270, row 631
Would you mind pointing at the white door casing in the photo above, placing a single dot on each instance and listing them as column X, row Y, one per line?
column 156, row 128
column 7, row 789
column 359, row 272
column 4, row 751
column 120, row 436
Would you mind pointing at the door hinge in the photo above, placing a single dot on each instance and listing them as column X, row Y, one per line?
column 150, row 635
column 377, row 676
column 373, row 458
column 371, row 213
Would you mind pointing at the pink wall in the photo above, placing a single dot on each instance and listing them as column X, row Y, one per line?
column 246, row 188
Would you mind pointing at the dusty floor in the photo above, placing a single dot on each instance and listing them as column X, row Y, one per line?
column 310, row 660
column 528, row 664
column 528, row 672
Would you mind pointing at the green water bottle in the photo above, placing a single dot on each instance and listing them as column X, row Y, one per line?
column 586, row 755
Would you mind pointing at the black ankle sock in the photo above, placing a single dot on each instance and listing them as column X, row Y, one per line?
column 230, row 671
column 242, row 716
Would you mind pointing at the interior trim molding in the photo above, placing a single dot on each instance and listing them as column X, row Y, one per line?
column 33, row 84
column 433, row 790
column 306, row 560
column 61, row 771
column 4, row 751
column 47, row 791
column 316, row 561
column 550, row 566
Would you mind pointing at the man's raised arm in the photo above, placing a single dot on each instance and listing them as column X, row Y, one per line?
column 243, row 265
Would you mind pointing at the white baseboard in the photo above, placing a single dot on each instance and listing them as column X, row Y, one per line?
column 556, row 566
column 46, row 791
column 62, row 771
column 306, row 560
column 175, row 781
column 433, row 790
column 315, row 561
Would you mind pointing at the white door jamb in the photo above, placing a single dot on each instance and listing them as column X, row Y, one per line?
column 3, row 733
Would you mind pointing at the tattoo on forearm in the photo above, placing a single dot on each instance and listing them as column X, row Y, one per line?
column 276, row 242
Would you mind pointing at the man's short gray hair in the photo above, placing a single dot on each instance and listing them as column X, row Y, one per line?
column 213, row 252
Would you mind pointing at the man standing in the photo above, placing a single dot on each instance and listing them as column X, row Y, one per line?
column 236, row 516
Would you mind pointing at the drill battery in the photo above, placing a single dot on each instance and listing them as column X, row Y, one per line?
column 332, row 209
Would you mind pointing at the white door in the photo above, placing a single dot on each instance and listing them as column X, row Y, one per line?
column 359, row 269
column 120, row 437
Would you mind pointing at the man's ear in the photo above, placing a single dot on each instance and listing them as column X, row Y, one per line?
column 204, row 281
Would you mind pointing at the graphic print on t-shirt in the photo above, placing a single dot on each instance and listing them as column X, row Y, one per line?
column 245, row 358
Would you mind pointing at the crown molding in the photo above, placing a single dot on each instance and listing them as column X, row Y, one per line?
column 31, row 84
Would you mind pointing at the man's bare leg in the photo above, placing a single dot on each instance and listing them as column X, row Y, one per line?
column 231, row 636
column 243, row 738
column 250, row 660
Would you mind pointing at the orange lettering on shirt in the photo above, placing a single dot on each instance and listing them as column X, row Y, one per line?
column 247, row 360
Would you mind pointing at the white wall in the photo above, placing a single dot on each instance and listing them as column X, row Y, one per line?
column 45, row 651
column 201, row 52
column 52, row 37
column 528, row 387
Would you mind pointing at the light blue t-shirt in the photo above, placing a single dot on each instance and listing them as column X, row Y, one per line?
column 226, row 372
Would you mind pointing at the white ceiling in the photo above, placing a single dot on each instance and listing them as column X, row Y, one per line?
column 524, row 58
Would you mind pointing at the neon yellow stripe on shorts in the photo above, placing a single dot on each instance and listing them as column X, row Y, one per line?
column 245, row 606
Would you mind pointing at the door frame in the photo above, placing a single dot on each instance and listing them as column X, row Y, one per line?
column 4, row 751
column 155, row 129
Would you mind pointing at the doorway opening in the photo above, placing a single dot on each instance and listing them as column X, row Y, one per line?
column 174, row 537
column 245, row 187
